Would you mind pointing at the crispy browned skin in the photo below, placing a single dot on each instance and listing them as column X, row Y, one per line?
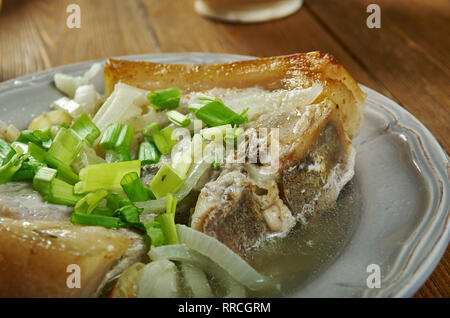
column 35, row 255
column 271, row 73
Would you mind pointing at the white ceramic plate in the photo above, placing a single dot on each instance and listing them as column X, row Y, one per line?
column 401, row 182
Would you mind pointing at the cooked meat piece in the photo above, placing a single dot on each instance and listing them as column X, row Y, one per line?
column 251, row 202
column 39, row 242
column 316, row 158
column 238, row 213
column 35, row 255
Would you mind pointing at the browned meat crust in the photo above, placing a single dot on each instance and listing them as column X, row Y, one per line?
column 35, row 255
column 271, row 73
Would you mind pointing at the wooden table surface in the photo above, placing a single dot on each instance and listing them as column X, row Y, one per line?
column 407, row 59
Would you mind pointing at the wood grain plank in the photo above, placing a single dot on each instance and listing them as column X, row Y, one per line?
column 438, row 285
column 419, row 81
column 34, row 34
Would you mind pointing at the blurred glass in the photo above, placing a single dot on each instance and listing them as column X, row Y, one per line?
column 247, row 11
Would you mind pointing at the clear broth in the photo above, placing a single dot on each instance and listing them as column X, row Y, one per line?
column 309, row 248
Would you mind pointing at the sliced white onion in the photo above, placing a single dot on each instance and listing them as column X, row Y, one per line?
column 181, row 253
column 12, row 133
column 123, row 104
column 88, row 97
column 157, row 280
column 196, row 280
column 3, row 129
column 126, row 284
column 72, row 107
column 68, row 84
column 223, row 256
column 93, row 71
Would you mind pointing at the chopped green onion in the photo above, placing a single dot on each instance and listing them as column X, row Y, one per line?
column 210, row 133
column 198, row 144
column 125, row 138
column 6, row 152
column 182, row 162
column 8, row 170
column 163, row 139
column 148, row 130
column 25, row 172
column 28, row 170
column 111, row 136
column 103, row 210
column 62, row 193
column 47, row 144
column 202, row 100
column 86, row 157
column 96, row 220
column 43, row 134
column 194, row 107
column 65, row 172
column 154, row 233
column 161, row 143
column 86, row 129
column 115, row 201
column 43, row 179
column 171, row 204
column 111, row 156
column 37, row 152
column 165, row 181
column 90, row 201
column 134, row 188
column 151, row 194
column 148, row 153
column 123, row 155
column 148, row 127
column 21, row 145
column 105, row 176
column 167, row 133
column 178, row 118
column 117, row 156
column 66, row 146
column 130, row 215
column 167, row 220
column 215, row 113
column 117, row 137
column 165, row 98
column 36, row 136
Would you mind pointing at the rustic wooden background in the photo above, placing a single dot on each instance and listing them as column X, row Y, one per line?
column 407, row 59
